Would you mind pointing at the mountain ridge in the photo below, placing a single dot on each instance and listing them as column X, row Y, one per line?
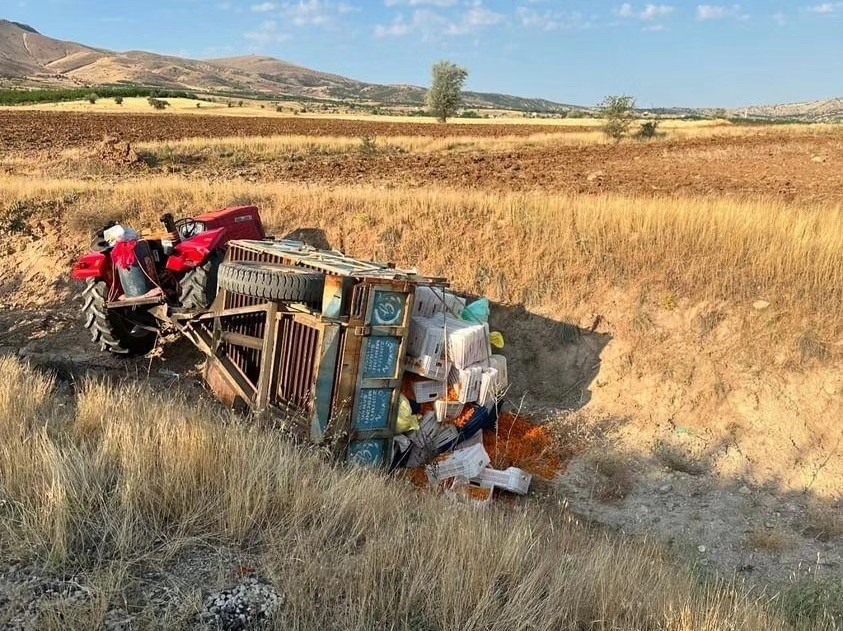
column 32, row 58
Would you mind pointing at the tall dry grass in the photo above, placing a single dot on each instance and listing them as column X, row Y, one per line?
column 539, row 249
column 115, row 478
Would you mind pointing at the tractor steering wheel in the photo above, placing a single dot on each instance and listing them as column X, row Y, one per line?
column 188, row 227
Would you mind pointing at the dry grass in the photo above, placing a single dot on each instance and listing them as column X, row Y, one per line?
column 277, row 146
column 539, row 249
column 121, row 476
column 614, row 477
column 771, row 540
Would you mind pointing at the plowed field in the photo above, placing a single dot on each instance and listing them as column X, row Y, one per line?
column 41, row 130
column 808, row 169
column 793, row 165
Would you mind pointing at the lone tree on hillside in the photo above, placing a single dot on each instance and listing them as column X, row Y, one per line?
column 445, row 94
column 619, row 112
column 92, row 98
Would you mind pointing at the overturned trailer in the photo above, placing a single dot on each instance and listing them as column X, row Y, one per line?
column 315, row 333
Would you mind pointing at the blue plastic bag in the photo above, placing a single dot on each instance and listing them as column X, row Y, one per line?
column 477, row 311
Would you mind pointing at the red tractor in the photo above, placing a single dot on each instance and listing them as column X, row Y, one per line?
column 128, row 276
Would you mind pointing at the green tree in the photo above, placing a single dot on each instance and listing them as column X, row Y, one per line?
column 92, row 98
column 445, row 94
column 118, row 100
column 619, row 114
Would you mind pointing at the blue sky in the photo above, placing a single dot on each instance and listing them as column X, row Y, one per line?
column 666, row 53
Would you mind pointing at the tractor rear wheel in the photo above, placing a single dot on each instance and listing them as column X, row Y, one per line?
column 111, row 330
column 199, row 285
column 272, row 281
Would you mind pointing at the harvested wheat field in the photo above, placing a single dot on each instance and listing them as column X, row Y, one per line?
column 673, row 315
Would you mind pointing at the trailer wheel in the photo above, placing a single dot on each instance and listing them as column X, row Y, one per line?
column 109, row 329
column 199, row 285
column 272, row 281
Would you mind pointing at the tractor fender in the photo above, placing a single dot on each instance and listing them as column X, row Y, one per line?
column 195, row 251
column 92, row 266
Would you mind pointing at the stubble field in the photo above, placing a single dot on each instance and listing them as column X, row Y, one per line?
column 672, row 307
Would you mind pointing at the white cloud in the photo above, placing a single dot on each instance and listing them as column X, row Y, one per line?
column 305, row 13
column 478, row 16
column 397, row 28
column 648, row 13
column 654, row 11
column 418, row 3
column 551, row 20
column 826, row 8
column 431, row 25
column 625, row 11
column 720, row 12
column 267, row 33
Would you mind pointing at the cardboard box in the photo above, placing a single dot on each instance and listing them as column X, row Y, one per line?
column 467, row 343
column 428, row 366
column 467, row 383
column 426, row 337
column 428, row 390
column 466, row 463
column 428, row 301
column 513, row 479
column 447, row 410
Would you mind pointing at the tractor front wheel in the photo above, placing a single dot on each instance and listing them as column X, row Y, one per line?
column 110, row 328
column 199, row 285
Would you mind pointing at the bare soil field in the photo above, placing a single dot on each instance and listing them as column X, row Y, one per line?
column 800, row 166
column 791, row 168
column 672, row 308
column 51, row 130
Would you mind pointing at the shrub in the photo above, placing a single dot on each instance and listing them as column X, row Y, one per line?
column 118, row 100
column 619, row 112
column 648, row 130
column 158, row 104
column 368, row 145
column 92, row 98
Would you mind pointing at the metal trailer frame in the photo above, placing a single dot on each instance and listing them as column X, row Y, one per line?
column 336, row 367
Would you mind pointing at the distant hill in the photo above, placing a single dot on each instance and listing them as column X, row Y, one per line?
column 31, row 58
column 826, row 110
column 28, row 58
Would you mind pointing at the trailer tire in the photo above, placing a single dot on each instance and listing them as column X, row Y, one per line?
column 199, row 285
column 113, row 332
column 272, row 281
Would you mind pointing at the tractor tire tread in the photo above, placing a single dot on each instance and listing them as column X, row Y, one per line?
column 284, row 283
column 104, row 327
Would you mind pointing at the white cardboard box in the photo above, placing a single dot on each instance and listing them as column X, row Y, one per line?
column 429, row 390
column 428, row 301
column 428, row 366
column 467, row 463
column 467, row 383
column 513, row 479
column 447, row 410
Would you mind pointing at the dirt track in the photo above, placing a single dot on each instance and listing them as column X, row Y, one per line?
column 41, row 130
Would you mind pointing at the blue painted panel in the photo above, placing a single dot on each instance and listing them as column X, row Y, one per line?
column 381, row 359
column 373, row 408
column 367, row 452
column 389, row 308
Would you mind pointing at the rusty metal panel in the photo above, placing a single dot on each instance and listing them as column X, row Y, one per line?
column 218, row 383
column 298, row 348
